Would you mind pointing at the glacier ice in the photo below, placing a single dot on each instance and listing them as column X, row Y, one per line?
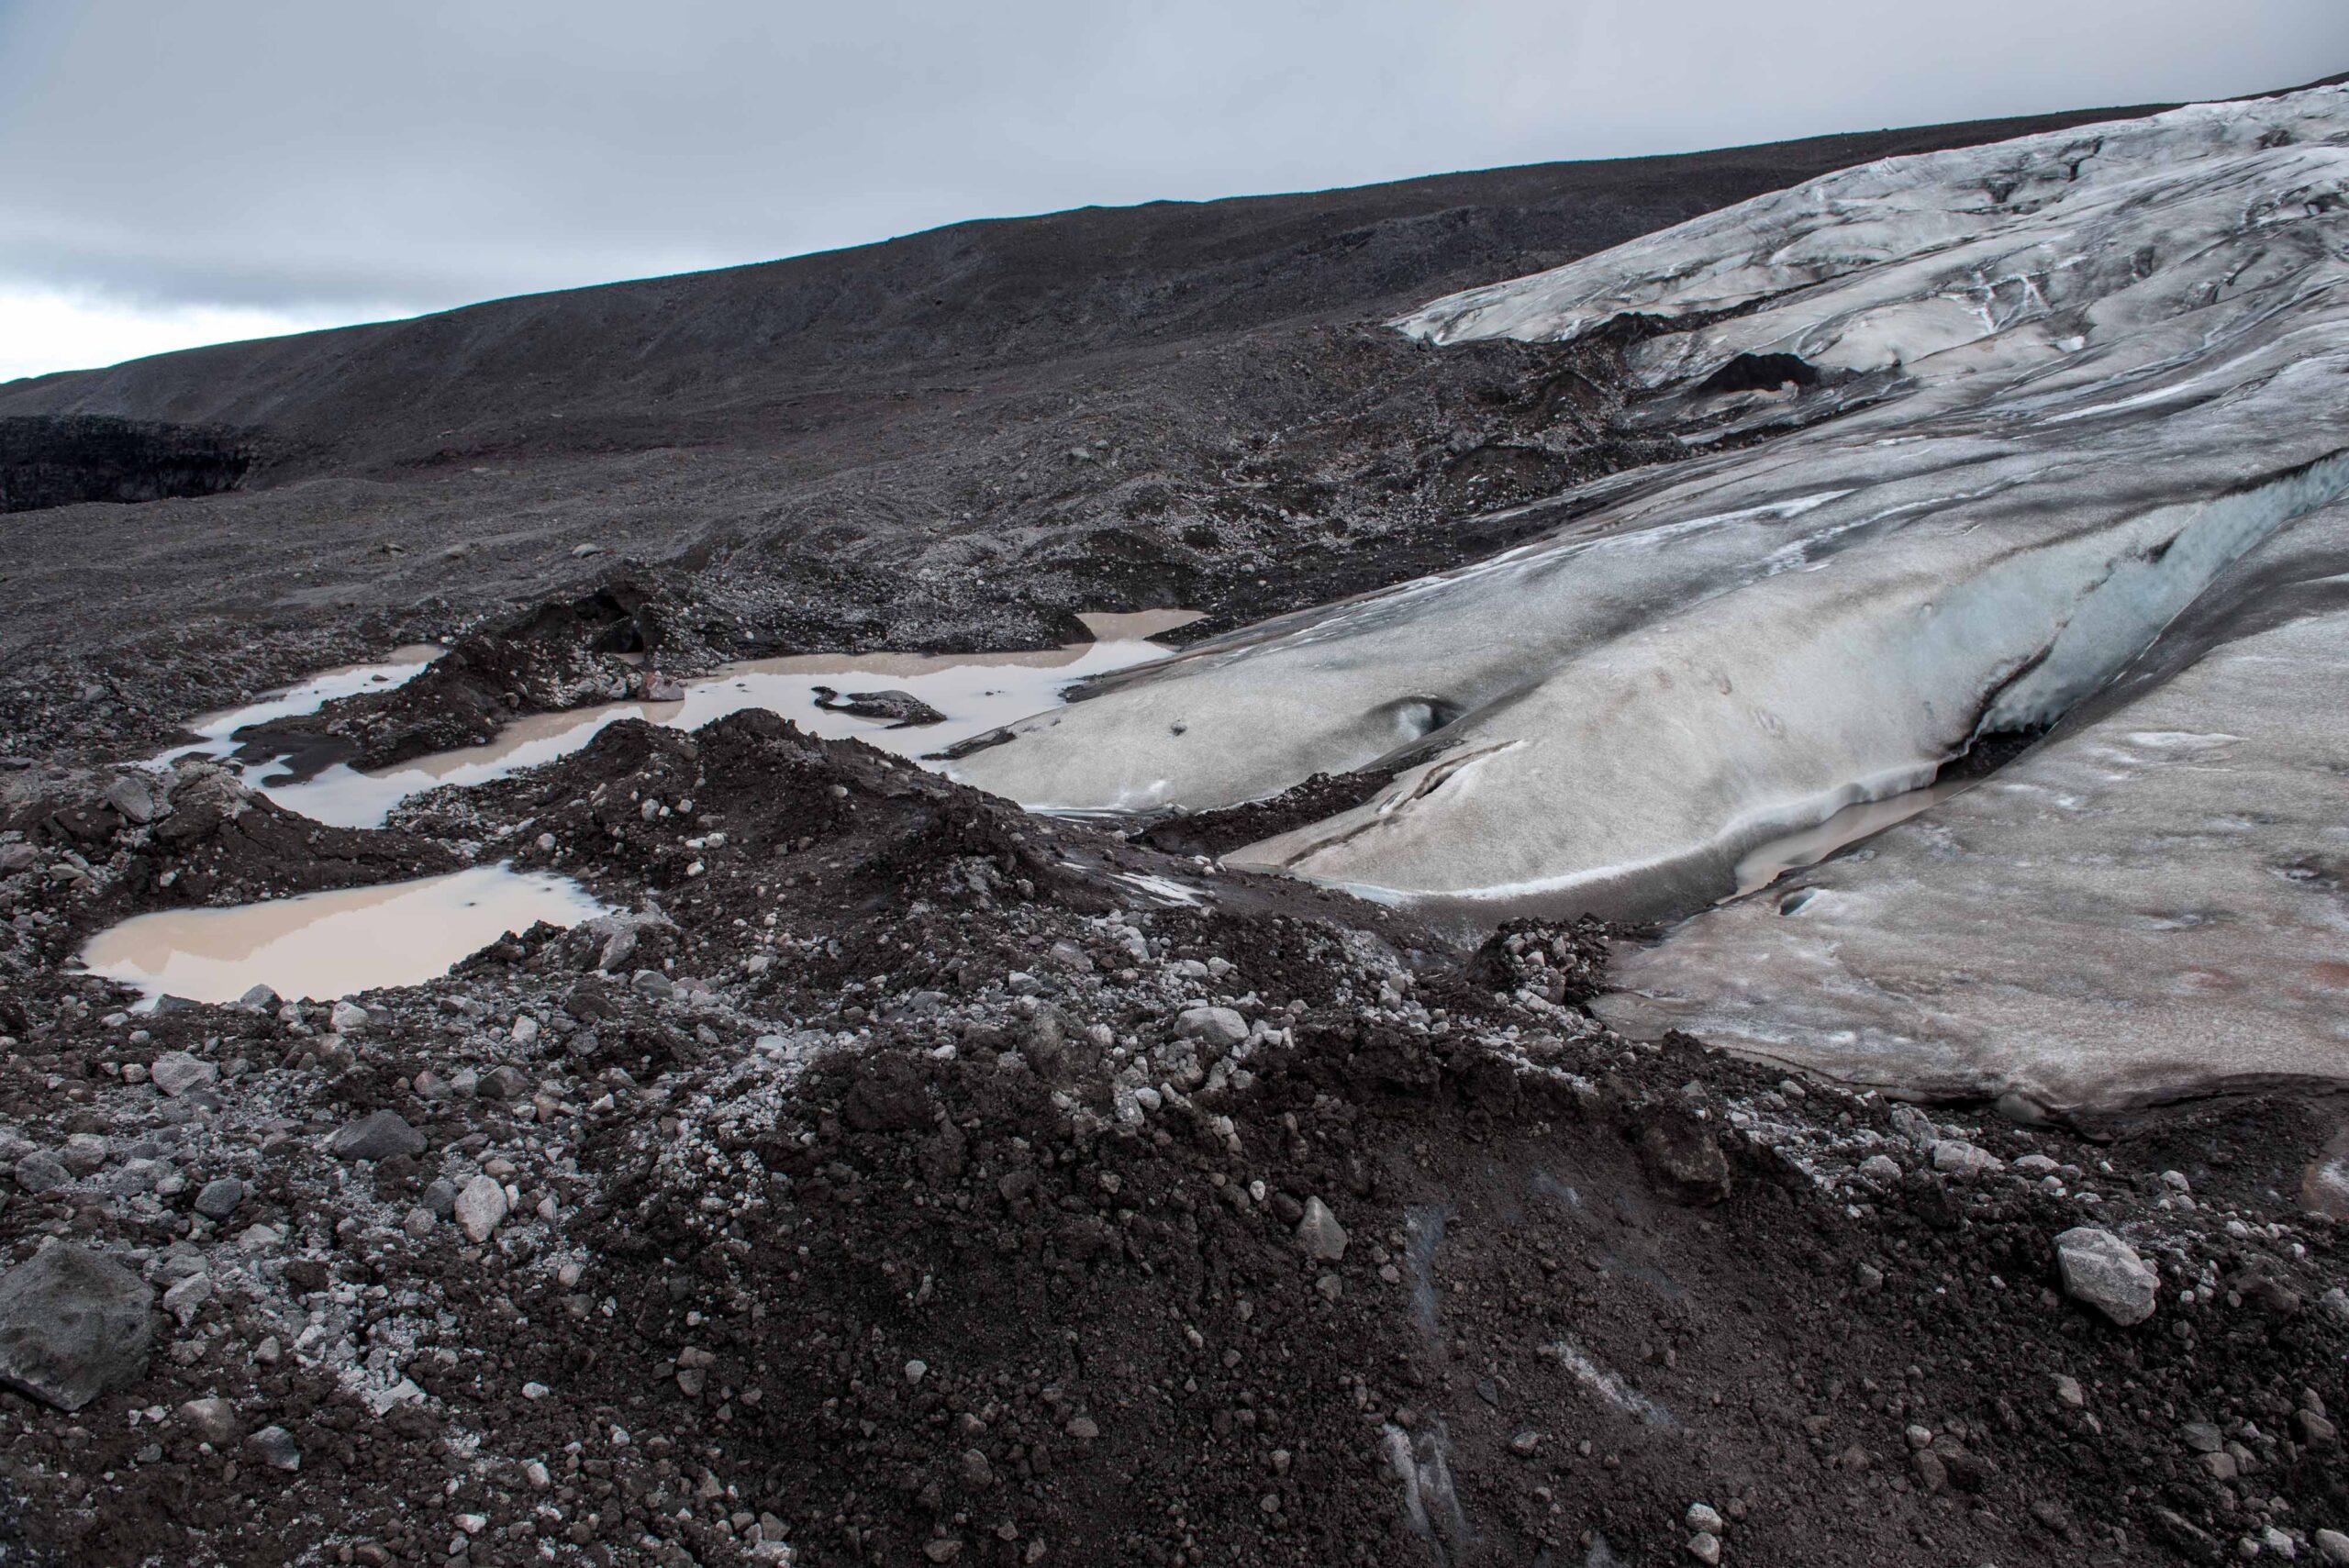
column 2153, row 901
column 2054, row 387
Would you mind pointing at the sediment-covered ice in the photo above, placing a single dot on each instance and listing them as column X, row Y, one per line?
column 2033, row 398
column 2152, row 902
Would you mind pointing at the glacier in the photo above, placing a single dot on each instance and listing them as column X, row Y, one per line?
column 2153, row 903
column 1966, row 431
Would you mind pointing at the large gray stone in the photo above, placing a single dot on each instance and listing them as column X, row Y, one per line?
column 73, row 1325
column 175, row 1073
column 2106, row 1273
column 377, row 1136
column 1323, row 1237
column 40, row 1172
column 481, row 1208
column 1220, row 1028
column 275, row 1447
column 131, row 800
column 220, row 1197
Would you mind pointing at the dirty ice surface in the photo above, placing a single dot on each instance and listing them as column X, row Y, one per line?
column 2153, row 901
column 977, row 692
column 325, row 945
column 1769, row 862
column 2021, row 405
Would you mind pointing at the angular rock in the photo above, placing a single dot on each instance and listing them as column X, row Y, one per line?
column 348, row 1018
column 504, row 1083
column 73, row 1325
column 1956, row 1157
column 2106, row 1273
column 1323, row 1237
column 40, row 1172
column 903, row 709
column 132, row 800
column 85, row 1154
column 213, row 1420
column 175, row 1073
column 481, row 1208
column 275, row 1447
column 1684, row 1158
column 2187, row 1538
column 218, row 1199
column 1220, row 1028
column 378, row 1135
column 185, row 1299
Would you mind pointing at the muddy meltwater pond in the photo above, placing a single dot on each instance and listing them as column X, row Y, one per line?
column 976, row 692
column 325, row 945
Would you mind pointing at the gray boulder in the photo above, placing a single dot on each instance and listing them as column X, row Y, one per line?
column 275, row 1447
column 1956, row 1157
column 213, row 1420
column 2106, row 1273
column 73, row 1325
column 1324, row 1238
column 132, row 800
column 175, row 1073
column 905, row 710
column 377, row 1136
column 1218, row 1028
column 219, row 1198
column 504, row 1083
column 40, row 1172
column 481, row 1208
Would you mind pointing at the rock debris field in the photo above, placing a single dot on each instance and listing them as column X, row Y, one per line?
column 872, row 1171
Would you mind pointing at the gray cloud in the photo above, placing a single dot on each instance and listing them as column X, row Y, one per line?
column 297, row 155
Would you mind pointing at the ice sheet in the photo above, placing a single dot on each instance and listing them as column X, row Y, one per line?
column 2075, row 378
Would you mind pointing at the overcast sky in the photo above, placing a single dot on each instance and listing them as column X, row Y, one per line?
column 173, row 172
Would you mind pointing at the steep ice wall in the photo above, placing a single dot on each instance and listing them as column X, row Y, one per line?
column 2078, row 376
column 2150, row 904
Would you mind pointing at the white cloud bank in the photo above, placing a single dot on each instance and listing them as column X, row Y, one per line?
column 44, row 329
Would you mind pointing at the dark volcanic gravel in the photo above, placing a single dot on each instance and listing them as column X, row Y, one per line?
column 899, row 1182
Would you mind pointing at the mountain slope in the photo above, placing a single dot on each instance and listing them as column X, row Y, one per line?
column 983, row 293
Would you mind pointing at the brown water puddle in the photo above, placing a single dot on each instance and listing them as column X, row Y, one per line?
column 324, row 945
column 976, row 692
